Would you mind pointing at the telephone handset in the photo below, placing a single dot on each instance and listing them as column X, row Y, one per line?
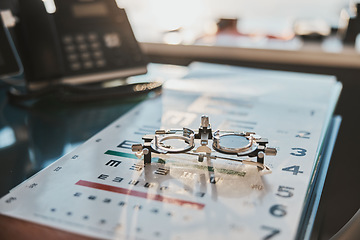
column 10, row 64
column 80, row 41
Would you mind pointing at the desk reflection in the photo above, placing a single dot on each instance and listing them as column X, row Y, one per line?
column 33, row 137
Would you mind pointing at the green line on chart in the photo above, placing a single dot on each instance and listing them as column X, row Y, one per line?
column 120, row 154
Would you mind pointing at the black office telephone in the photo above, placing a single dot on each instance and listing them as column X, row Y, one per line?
column 79, row 41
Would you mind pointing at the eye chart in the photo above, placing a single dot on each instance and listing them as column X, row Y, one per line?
column 102, row 190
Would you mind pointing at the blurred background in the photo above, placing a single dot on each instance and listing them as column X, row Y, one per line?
column 189, row 22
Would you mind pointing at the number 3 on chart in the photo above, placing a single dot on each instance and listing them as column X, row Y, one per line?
column 299, row 152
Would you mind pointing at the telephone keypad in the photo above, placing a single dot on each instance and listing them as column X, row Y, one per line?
column 85, row 51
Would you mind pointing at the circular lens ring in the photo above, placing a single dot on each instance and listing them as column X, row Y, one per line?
column 187, row 136
column 250, row 147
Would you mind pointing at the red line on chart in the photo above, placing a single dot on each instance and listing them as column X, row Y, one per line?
column 134, row 193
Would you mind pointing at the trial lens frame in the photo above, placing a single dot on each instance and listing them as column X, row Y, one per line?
column 240, row 144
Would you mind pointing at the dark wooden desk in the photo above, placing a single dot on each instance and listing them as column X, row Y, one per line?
column 14, row 229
